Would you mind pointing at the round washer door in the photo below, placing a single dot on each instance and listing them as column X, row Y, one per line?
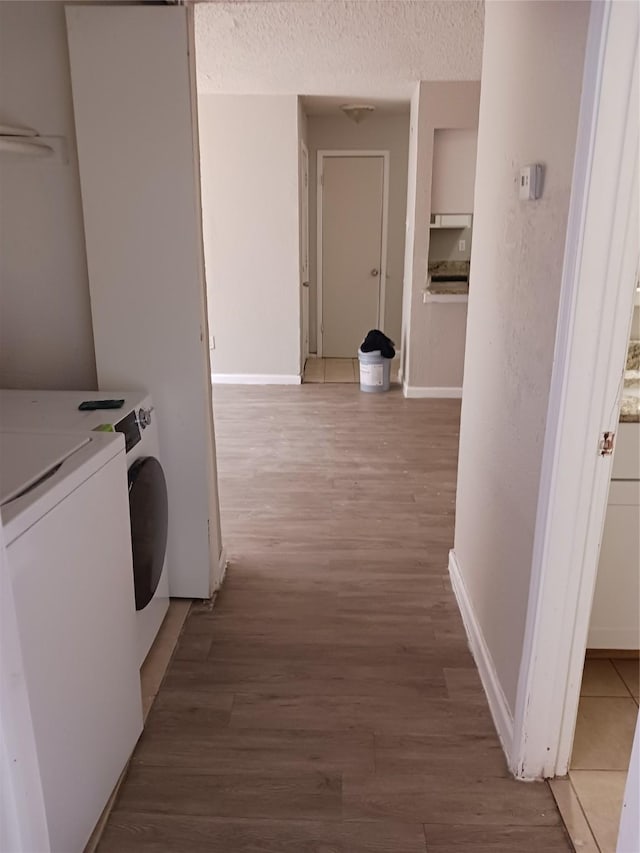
column 148, row 510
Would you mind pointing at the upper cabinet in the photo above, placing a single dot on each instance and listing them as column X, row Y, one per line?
column 451, row 220
column 454, row 171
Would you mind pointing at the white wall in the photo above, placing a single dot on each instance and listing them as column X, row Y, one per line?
column 378, row 132
column 445, row 327
column 444, row 246
column 249, row 165
column 516, row 265
column 454, row 170
column 45, row 323
column 434, row 106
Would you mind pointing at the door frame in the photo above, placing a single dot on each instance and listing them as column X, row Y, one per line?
column 596, row 303
column 305, row 265
column 382, row 289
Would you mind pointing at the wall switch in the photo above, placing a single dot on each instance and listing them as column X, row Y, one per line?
column 530, row 184
column 212, row 342
column 462, row 245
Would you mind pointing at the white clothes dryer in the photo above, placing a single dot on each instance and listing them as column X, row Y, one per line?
column 63, row 504
column 148, row 505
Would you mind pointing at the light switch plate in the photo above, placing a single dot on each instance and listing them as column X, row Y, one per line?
column 530, row 184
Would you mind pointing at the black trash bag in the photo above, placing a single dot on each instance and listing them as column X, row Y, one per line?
column 377, row 340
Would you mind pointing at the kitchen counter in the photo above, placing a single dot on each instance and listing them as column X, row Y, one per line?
column 448, row 268
column 449, row 288
column 630, row 406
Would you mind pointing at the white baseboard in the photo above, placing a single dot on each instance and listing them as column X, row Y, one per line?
column 613, row 638
column 255, row 379
column 500, row 711
column 396, row 357
column 437, row 392
column 222, row 569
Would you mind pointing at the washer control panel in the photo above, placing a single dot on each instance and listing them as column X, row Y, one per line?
column 130, row 428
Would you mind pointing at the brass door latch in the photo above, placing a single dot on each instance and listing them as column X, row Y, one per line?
column 606, row 443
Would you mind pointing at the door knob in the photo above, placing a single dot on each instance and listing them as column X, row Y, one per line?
column 375, row 272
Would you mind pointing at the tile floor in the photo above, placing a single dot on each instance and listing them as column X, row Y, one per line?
column 342, row 370
column 331, row 370
column 590, row 800
column 155, row 665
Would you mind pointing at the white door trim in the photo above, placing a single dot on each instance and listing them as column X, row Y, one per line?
column 304, row 271
column 600, row 268
column 322, row 153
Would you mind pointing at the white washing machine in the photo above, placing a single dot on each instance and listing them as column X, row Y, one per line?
column 63, row 503
column 136, row 420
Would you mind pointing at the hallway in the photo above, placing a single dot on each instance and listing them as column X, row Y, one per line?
column 328, row 703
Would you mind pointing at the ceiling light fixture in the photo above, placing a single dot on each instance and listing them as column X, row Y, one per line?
column 357, row 112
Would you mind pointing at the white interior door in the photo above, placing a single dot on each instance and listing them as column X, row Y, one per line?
column 352, row 193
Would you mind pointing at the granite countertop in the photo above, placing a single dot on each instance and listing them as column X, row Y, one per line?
column 630, row 406
column 445, row 268
column 448, row 288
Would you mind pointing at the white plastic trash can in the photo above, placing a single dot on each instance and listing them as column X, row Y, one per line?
column 375, row 371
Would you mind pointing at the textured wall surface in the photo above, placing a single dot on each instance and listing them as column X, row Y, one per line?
column 516, row 271
column 336, row 47
column 46, row 339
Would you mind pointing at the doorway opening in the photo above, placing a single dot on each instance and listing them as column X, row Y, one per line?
column 357, row 213
column 609, row 692
column 304, row 224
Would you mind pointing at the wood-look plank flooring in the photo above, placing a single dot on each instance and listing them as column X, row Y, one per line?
column 328, row 703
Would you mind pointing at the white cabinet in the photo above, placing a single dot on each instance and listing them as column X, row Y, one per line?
column 446, row 328
column 626, row 460
column 451, row 220
column 615, row 615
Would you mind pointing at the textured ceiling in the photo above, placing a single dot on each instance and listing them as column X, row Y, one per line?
column 351, row 48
